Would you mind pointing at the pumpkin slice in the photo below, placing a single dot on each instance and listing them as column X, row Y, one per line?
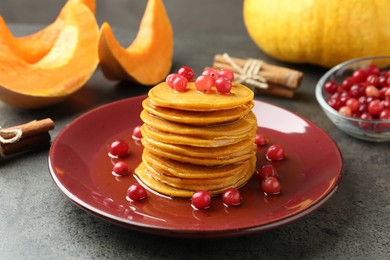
column 33, row 47
column 63, row 70
column 148, row 59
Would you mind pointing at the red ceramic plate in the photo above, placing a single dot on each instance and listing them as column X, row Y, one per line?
column 80, row 166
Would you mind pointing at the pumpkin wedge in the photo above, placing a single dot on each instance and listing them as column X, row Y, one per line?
column 33, row 47
column 148, row 59
column 64, row 69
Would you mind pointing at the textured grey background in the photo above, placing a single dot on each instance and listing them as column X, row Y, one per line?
column 38, row 222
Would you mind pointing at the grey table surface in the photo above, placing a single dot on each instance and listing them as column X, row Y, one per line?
column 38, row 222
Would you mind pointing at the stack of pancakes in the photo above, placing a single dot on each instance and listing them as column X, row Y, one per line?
column 195, row 141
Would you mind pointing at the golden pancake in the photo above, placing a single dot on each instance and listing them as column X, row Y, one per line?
column 199, row 184
column 148, row 179
column 237, row 129
column 224, row 152
column 164, row 96
column 201, row 161
column 187, row 170
column 198, row 118
column 149, row 132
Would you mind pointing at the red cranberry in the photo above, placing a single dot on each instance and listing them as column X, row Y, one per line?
column 330, row 87
column 275, row 152
column 170, row 78
column 213, row 73
column 186, row 72
column 121, row 168
column 271, row 186
column 180, row 83
column 267, row 170
column 226, row 74
column 375, row 107
column 231, row 197
column 204, row 83
column 360, row 75
column 137, row 134
column 136, row 192
column 261, row 140
column 373, row 80
column 119, row 148
column 201, row 199
column 223, row 85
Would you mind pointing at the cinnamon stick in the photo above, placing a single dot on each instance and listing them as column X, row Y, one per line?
column 26, row 143
column 31, row 135
column 271, row 73
column 31, row 128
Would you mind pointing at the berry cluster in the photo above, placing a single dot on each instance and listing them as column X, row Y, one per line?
column 365, row 94
column 268, row 177
column 120, row 149
column 202, row 199
column 220, row 79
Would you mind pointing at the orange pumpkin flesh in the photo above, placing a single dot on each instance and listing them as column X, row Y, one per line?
column 148, row 59
column 64, row 69
column 33, row 47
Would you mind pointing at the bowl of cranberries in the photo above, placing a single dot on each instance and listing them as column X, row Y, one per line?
column 355, row 95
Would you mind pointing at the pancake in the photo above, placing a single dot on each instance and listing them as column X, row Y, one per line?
column 223, row 152
column 187, row 170
column 198, row 118
column 201, row 160
column 192, row 100
column 199, row 184
column 149, row 132
column 149, row 180
column 237, row 129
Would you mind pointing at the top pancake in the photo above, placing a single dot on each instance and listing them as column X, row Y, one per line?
column 164, row 96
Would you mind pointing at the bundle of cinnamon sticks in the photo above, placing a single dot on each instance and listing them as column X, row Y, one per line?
column 262, row 77
column 25, row 137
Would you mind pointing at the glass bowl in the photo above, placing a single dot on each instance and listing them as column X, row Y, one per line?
column 375, row 130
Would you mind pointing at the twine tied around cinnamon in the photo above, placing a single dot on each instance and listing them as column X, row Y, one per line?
column 249, row 73
column 16, row 132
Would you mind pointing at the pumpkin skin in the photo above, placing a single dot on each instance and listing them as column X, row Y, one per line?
column 33, row 47
column 66, row 67
column 148, row 59
column 321, row 32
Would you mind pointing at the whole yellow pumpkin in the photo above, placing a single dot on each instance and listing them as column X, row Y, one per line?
column 322, row 32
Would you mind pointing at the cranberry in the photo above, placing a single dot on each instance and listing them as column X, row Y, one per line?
column 136, row 192
column 121, row 168
column 170, row 78
column 373, row 69
column 186, row 72
column 119, row 148
column 180, row 83
column 365, row 125
column 267, row 170
column 231, row 197
column 201, row 199
column 275, row 152
column 347, row 83
column 204, row 83
column 360, row 75
column 353, row 104
column 213, row 73
column 261, row 140
column 372, row 91
column 375, row 107
column 345, row 110
column 226, row 74
column 330, row 87
column 137, row 134
column 357, row 90
column 223, row 85
column 373, row 80
column 385, row 114
column 335, row 103
column 270, row 186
